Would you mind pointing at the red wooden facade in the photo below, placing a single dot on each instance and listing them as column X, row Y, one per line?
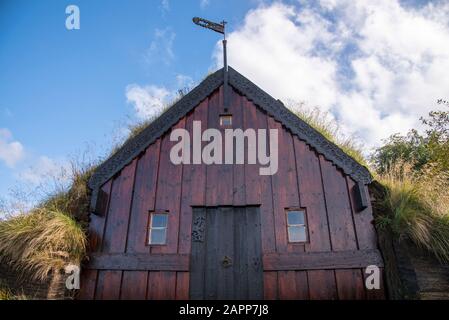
column 305, row 179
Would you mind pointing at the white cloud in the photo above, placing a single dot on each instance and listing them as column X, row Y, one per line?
column 46, row 170
column 161, row 47
column 377, row 66
column 183, row 81
column 148, row 101
column 10, row 151
column 204, row 4
column 165, row 6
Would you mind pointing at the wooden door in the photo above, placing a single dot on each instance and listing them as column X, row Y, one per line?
column 226, row 261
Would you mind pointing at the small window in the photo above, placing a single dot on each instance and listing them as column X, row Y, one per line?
column 226, row 120
column 158, row 228
column 296, row 226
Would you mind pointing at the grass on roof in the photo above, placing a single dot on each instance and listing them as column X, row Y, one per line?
column 324, row 123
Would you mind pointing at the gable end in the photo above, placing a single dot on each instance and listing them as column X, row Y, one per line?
column 260, row 98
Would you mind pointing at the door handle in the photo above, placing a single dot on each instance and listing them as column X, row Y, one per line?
column 226, row 262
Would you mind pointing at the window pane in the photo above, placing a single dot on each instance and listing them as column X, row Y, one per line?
column 158, row 236
column 295, row 217
column 226, row 120
column 297, row 234
column 159, row 220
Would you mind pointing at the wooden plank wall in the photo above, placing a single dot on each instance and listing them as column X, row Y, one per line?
column 304, row 179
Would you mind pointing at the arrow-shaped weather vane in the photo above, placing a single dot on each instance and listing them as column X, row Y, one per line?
column 220, row 28
column 217, row 27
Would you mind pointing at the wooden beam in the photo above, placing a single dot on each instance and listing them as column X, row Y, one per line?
column 322, row 260
column 139, row 261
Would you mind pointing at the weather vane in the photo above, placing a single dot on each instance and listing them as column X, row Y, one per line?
column 220, row 28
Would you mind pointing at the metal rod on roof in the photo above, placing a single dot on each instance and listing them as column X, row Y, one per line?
column 220, row 28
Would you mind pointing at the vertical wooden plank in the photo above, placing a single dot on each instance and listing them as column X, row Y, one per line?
column 350, row 284
column 341, row 224
column 143, row 199
column 266, row 195
column 96, row 232
column 218, row 193
column 254, row 252
column 212, row 169
column 225, row 248
column 240, row 256
column 339, row 211
column 312, row 198
column 87, row 285
column 108, row 285
column 258, row 188
column 118, row 215
column 154, row 285
column 251, row 120
column 193, row 180
column 134, row 282
column 285, row 191
column 239, row 193
column 320, row 288
column 182, row 286
column 116, row 229
column 287, row 285
column 134, row 285
column 168, row 193
column 161, row 285
column 270, row 285
column 302, row 285
column 212, row 253
column 168, row 285
column 185, row 219
column 198, row 171
column 193, row 193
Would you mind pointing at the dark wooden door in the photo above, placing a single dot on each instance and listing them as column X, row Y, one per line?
column 226, row 261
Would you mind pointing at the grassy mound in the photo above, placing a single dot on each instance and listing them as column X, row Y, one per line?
column 416, row 207
column 41, row 241
column 52, row 235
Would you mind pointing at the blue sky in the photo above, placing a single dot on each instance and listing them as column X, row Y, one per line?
column 374, row 67
column 60, row 89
